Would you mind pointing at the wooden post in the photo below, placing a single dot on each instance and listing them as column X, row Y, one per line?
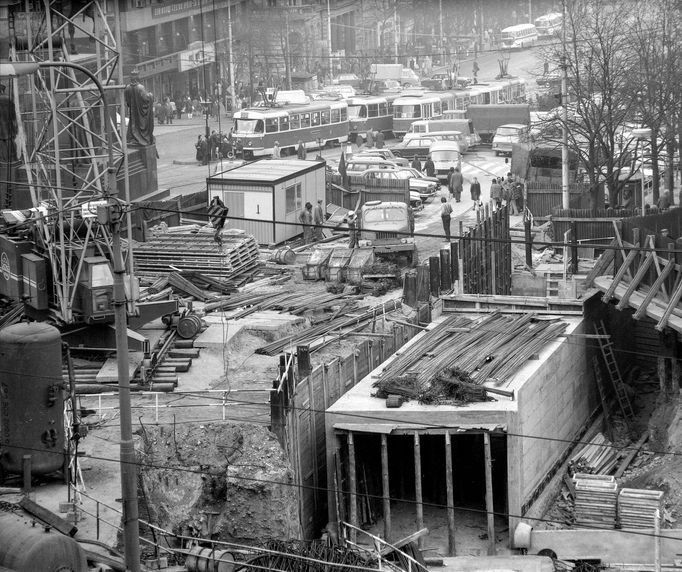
column 385, row 485
column 303, row 358
column 450, row 495
column 529, row 242
column 657, row 541
column 338, row 481
column 574, row 247
column 410, row 289
column 454, row 261
column 434, row 275
column 445, row 281
column 418, row 485
column 489, row 507
column 352, row 486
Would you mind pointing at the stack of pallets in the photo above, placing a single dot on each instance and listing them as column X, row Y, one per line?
column 637, row 507
column 595, row 500
column 198, row 252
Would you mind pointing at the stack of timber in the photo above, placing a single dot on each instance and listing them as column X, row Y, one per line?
column 596, row 499
column 237, row 254
column 599, row 456
column 637, row 508
column 491, row 348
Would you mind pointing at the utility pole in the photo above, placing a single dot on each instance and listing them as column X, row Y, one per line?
column 396, row 32
column 287, row 58
column 329, row 39
column 565, row 196
column 233, row 87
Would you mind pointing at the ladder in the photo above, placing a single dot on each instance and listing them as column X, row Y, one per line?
column 606, row 346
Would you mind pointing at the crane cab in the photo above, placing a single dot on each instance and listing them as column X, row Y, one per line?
column 95, row 291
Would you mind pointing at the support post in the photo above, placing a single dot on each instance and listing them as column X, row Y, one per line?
column 352, row 486
column 489, row 506
column 529, row 241
column 385, row 485
column 434, row 275
column 418, row 495
column 450, row 495
column 26, row 471
column 445, row 281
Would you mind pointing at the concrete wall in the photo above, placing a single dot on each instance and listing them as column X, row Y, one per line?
column 553, row 403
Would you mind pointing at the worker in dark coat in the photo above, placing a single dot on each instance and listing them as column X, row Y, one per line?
column 352, row 221
column 318, row 220
column 429, row 167
column 416, row 164
column 475, row 190
column 300, row 150
column 379, row 140
column 457, row 184
column 306, row 219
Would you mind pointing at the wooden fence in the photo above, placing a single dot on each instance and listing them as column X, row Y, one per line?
column 542, row 198
column 485, row 252
column 347, row 193
column 298, row 403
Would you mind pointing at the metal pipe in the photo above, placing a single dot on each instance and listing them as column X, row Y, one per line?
column 565, row 197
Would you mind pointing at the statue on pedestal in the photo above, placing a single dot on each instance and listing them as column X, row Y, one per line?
column 140, row 104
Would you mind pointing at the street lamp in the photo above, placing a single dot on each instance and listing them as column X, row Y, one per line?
column 642, row 134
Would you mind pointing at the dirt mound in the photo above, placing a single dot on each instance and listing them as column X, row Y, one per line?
column 218, row 481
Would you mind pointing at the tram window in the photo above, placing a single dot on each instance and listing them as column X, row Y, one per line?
column 295, row 121
column 324, row 115
column 373, row 110
column 284, row 124
column 335, row 115
column 305, row 120
column 259, row 126
column 270, row 124
column 436, row 108
column 315, row 119
column 383, row 109
column 344, row 114
column 390, row 109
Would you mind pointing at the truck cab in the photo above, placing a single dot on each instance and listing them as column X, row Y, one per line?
column 388, row 228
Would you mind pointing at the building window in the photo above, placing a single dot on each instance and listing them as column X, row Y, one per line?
column 294, row 198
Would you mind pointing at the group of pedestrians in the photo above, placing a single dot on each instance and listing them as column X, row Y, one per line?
column 509, row 191
column 216, row 146
column 312, row 219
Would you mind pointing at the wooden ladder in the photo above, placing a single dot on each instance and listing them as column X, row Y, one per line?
column 606, row 346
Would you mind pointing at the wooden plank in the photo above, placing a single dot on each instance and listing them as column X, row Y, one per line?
column 631, row 455
column 449, row 485
column 385, row 488
column 667, row 269
column 642, row 271
column 489, row 505
column 672, row 304
column 352, row 486
column 418, row 493
column 606, row 298
column 48, row 517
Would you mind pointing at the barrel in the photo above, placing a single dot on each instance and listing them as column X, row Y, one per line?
column 31, row 400
column 24, row 546
column 284, row 256
column 209, row 560
column 189, row 326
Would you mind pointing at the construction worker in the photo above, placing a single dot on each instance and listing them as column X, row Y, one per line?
column 318, row 220
column 352, row 221
column 306, row 219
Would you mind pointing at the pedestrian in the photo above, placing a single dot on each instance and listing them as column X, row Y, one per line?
column 446, row 215
column 416, row 164
column 352, row 221
column 451, row 189
column 204, row 151
column 369, row 138
column 199, row 147
column 300, row 150
column 214, row 145
column 496, row 193
column 318, row 220
column 475, row 190
column 276, row 151
column 306, row 219
column 457, row 184
column 429, row 167
column 516, row 197
column 379, row 140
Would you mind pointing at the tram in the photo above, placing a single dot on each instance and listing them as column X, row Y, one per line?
column 413, row 106
column 373, row 112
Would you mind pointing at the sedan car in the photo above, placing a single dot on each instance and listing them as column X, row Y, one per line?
column 385, row 154
column 426, row 189
column 413, row 147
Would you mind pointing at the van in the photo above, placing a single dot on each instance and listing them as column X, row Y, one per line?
column 506, row 135
column 463, row 125
column 445, row 154
column 358, row 164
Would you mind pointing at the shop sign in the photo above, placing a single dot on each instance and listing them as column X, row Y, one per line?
column 192, row 59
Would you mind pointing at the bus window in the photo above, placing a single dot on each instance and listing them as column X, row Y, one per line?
column 335, row 116
column 284, row 123
column 295, row 121
column 270, row 124
column 315, row 119
column 344, row 114
column 305, row 120
column 324, row 115
column 373, row 110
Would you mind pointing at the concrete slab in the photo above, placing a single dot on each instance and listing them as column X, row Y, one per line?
column 516, row 563
column 109, row 371
column 218, row 334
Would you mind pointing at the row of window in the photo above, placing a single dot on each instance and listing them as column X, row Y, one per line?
column 302, row 120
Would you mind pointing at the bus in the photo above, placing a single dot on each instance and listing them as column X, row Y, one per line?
column 549, row 25
column 367, row 112
column 315, row 124
column 411, row 107
column 519, row 36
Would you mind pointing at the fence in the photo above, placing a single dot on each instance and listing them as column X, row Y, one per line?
column 542, row 198
column 347, row 193
column 485, row 252
column 298, row 406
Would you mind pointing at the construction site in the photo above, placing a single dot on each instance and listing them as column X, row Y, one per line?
column 178, row 395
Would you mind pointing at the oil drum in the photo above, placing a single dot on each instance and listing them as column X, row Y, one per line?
column 209, row 560
column 27, row 548
column 189, row 326
column 31, row 401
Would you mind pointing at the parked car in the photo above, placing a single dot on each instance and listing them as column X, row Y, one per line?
column 451, row 136
column 426, row 189
column 359, row 163
column 411, row 147
column 506, row 135
column 386, row 154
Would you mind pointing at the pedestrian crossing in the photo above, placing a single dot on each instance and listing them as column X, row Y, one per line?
column 484, row 167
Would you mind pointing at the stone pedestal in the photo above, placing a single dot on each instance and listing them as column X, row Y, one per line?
column 142, row 169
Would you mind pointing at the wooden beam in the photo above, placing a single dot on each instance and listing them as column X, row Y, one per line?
column 652, row 242
column 629, row 259
column 418, row 494
column 340, row 499
column 47, row 516
column 404, row 541
column 352, row 486
column 489, row 505
column 619, row 241
column 667, row 269
column 449, row 487
column 672, row 304
column 634, row 284
column 385, row 486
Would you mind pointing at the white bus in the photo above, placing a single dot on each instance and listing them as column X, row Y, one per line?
column 549, row 25
column 519, row 36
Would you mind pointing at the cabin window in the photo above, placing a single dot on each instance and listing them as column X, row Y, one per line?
column 294, row 198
